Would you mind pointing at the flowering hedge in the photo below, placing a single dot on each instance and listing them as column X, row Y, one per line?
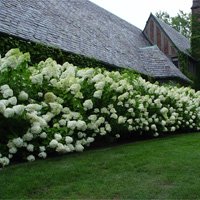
column 49, row 108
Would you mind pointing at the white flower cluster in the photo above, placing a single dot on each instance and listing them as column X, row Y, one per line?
column 13, row 59
column 77, row 105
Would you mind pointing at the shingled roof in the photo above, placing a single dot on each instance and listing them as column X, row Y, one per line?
column 157, row 64
column 180, row 41
column 81, row 27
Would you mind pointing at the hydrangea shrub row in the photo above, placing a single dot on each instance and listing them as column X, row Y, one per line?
column 50, row 108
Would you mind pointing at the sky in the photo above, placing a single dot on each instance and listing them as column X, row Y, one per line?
column 137, row 12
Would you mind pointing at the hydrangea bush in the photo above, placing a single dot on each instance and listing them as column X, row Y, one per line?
column 51, row 108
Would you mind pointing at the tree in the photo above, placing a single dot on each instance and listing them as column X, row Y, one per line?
column 181, row 22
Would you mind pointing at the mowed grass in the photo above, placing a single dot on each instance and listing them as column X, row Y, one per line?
column 164, row 168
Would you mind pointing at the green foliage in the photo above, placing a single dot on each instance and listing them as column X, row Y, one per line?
column 65, row 108
column 195, row 47
column 39, row 52
column 181, row 22
column 184, row 63
column 195, row 40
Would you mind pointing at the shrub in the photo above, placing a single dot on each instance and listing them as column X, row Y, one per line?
column 51, row 108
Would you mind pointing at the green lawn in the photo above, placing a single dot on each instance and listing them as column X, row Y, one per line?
column 166, row 168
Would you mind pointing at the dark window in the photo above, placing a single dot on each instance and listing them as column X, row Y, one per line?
column 175, row 62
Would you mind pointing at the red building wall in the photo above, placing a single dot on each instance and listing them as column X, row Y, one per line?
column 158, row 37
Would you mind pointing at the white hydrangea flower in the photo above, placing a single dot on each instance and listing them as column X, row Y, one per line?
column 2, row 107
column 98, row 94
column 97, row 78
column 79, row 147
column 92, row 117
column 33, row 107
column 31, row 158
column 50, row 97
column 153, row 127
column 60, row 148
column 163, row 123
column 13, row 150
column 62, row 122
column 71, row 125
column 100, row 85
column 85, row 73
column 58, row 136
column 130, row 110
column 102, row 131
column 42, row 155
column 53, row 81
column 12, row 101
column 36, row 128
column 88, row 104
column 23, row 96
column 71, row 147
column 7, row 93
column 56, row 108
column 25, row 144
column 114, row 116
column 121, row 120
column 68, row 140
column 43, row 135
column 18, row 142
column 28, row 136
column 90, row 139
column 53, row 144
column 48, row 116
column 5, row 102
column 117, row 136
column 119, row 89
column 56, row 125
column 120, row 103
column 173, row 128
column 40, row 94
column 66, row 149
column 80, row 134
column 96, row 110
column 4, row 161
column 42, row 148
column 37, row 79
column 155, row 134
column 10, row 156
column 130, row 121
column 101, row 120
column 105, row 110
column 18, row 109
column 75, row 115
column 130, row 128
column 30, row 147
column 81, row 125
column 75, row 88
column 108, row 127
column 4, row 87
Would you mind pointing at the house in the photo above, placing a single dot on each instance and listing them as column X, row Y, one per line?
column 170, row 42
column 81, row 27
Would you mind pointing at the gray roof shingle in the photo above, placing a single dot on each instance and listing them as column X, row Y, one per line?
column 156, row 63
column 81, row 27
